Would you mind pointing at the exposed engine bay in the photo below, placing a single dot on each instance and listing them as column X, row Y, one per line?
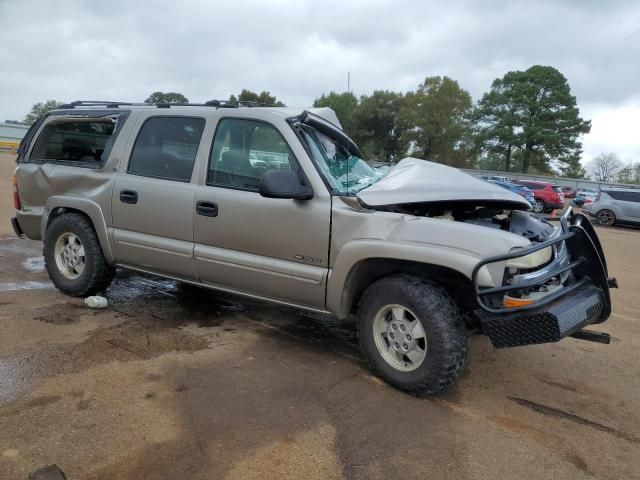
column 488, row 214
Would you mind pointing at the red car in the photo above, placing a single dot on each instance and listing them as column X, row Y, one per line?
column 569, row 192
column 547, row 195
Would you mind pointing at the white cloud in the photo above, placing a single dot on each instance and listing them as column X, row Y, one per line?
column 298, row 49
column 614, row 129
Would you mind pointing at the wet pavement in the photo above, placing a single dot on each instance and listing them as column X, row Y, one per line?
column 172, row 381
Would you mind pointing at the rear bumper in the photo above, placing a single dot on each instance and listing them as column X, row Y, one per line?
column 16, row 227
column 27, row 225
column 583, row 298
column 555, row 205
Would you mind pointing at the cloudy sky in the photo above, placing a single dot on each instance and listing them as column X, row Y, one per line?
column 297, row 49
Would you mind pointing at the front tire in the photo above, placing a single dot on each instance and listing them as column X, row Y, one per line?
column 73, row 256
column 412, row 334
column 606, row 217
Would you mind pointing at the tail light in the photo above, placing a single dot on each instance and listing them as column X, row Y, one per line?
column 16, row 196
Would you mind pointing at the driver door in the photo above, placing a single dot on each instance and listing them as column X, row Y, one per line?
column 264, row 247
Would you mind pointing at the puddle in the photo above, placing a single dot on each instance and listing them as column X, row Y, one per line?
column 34, row 264
column 173, row 302
column 61, row 313
column 27, row 285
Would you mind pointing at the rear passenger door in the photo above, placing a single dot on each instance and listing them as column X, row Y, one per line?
column 152, row 199
column 630, row 205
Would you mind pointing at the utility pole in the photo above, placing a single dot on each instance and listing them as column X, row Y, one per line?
column 348, row 82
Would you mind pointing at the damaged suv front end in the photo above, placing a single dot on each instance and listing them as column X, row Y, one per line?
column 517, row 277
column 550, row 290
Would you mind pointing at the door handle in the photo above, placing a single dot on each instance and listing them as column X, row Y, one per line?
column 207, row 209
column 129, row 196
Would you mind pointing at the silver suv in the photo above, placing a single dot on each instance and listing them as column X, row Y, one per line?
column 278, row 204
column 616, row 206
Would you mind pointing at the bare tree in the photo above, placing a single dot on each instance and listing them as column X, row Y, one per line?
column 605, row 167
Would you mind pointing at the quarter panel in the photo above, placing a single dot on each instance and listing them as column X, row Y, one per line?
column 90, row 208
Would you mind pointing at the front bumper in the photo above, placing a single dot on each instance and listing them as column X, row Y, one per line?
column 582, row 300
column 558, row 320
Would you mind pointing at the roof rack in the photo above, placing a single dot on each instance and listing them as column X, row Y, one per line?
column 210, row 103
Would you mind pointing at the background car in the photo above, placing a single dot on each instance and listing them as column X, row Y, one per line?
column 500, row 178
column 547, row 196
column 616, row 206
column 589, row 194
column 569, row 192
column 519, row 189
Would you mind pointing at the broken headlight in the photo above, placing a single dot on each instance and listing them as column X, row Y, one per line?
column 532, row 260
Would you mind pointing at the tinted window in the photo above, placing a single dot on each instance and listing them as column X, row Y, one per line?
column 532, row 186
column 615, row 195
column 76, row 140
column 166, row 147
column 243, row 150
column 625, row 196
column 557, row 189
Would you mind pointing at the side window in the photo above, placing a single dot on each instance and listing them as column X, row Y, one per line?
column 77, row 140
column 166, row 147
column 615, row 195
column 243, row 150
column 625, row 196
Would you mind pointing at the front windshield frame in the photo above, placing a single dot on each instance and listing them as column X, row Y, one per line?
column 311, row 140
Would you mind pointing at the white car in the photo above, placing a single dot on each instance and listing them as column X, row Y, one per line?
column 589, row 194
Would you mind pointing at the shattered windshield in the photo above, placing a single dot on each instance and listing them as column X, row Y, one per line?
column 346, row 173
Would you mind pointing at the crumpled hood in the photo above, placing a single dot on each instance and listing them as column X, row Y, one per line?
column 414, row 181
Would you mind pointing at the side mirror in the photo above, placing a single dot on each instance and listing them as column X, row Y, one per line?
column 284, row 184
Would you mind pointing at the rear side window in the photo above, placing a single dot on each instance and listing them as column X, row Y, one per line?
column 556, row 189
column 243, row 150
column 166, row 147
column 624, row 196
column 615, row 195
column 85, row 141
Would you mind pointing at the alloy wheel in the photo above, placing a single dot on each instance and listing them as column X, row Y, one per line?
column 400, row 337
column 70, row 256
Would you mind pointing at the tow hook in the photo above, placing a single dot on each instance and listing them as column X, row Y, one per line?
column 612, row 282
column 591, row 336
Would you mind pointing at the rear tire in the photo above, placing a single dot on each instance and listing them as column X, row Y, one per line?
column 606, row 217
column 539, row 206
column 73, row 256
column 412, row 334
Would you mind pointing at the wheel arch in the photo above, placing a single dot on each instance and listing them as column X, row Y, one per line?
column 368, row 271
column 361, row 263
column 608, row 209
column 59, row 205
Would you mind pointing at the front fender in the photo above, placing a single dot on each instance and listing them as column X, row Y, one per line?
column 357, row 251
column 91, row 209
